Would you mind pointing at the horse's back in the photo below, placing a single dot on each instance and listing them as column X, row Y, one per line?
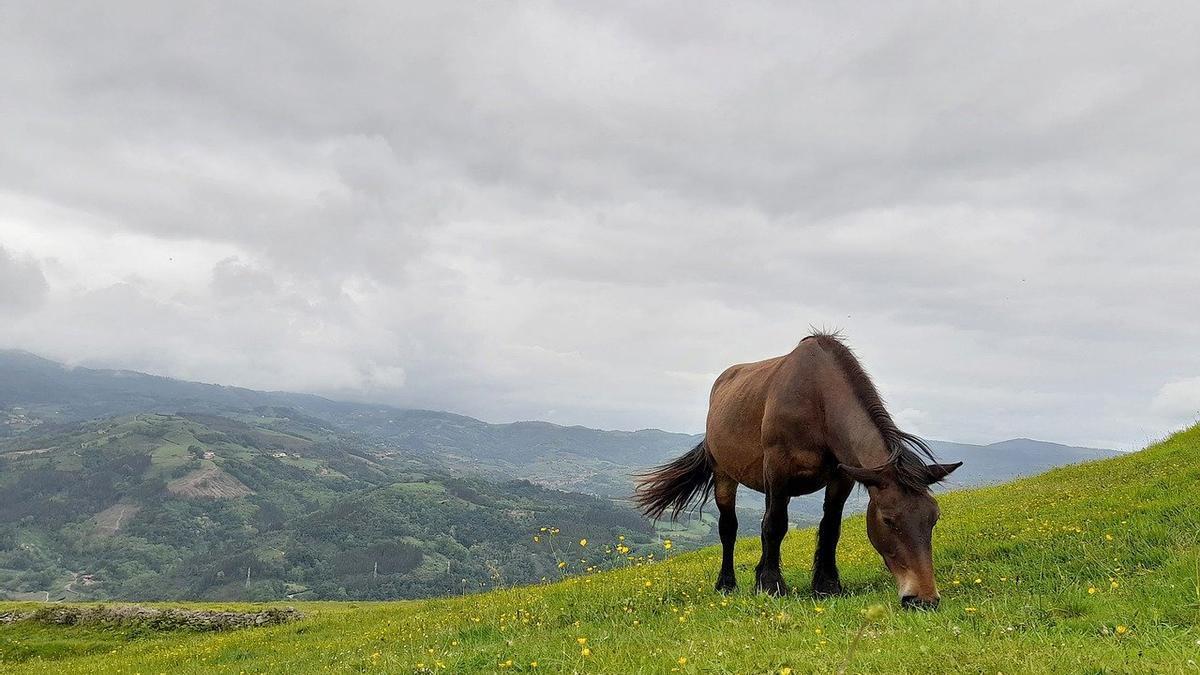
column 735, row 412
column 767, row 403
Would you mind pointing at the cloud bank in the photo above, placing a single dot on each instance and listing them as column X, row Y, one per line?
column 582, row 212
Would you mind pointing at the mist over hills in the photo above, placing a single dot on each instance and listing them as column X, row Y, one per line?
column 567, row 457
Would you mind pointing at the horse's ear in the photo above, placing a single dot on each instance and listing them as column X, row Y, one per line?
column 864, row 476
column 938, row 472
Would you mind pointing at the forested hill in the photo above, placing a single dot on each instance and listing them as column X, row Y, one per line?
column 269, row 504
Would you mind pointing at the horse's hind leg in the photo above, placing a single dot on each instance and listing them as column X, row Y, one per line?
column 825, row 571
column 726, row 498
column 768, row 574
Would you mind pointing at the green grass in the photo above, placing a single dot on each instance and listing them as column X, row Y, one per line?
column 1092, row 568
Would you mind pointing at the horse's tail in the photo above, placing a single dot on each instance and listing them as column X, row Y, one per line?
column 675, row 484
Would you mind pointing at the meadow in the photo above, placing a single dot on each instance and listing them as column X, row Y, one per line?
column 1089, row 568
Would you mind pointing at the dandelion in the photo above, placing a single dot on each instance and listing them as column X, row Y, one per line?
column 785, row 671
column 648, row 584
column 818, row 609
column 581, row 641
column 561, row 564
column 536, row 539
column 1115, row 585
column 971, row 610
column 1121, row 630
column 585, row 652
column 667, row 544
column 683, row 660
column 583, row 542
column 1108, row 537
column 1091, row 590
column 533, row 664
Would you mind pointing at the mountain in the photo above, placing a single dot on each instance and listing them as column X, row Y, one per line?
column 36, row 391
column 1084, row 569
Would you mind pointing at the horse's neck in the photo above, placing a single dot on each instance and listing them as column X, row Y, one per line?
column 857, row 442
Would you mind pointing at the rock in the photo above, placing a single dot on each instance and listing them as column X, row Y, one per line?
column 167, row 618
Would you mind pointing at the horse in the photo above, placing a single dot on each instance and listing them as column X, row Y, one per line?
column 794, row 424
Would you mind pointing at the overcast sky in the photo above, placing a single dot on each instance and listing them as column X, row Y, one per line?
column 584, row 212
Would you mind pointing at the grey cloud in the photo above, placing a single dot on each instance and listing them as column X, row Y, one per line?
column 23, row 287
column 584, row 211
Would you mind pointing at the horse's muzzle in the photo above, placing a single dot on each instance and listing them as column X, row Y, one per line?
column 913, row 602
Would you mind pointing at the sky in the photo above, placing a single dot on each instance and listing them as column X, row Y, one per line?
column 583, row 212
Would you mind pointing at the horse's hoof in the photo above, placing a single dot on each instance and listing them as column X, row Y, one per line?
column 773, row 587
column 726, row 585
column 825, row 589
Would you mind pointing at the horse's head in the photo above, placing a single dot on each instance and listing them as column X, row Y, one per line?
column 900, row 519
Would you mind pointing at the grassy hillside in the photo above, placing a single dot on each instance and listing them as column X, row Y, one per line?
column 1090, row 568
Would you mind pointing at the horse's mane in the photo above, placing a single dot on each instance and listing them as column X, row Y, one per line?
column 905, row 450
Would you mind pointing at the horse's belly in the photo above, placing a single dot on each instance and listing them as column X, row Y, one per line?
column 745, row 465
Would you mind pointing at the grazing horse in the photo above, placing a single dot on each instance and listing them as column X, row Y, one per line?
column 789, row 426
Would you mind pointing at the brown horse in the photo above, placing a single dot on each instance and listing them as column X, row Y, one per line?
column 789, row 426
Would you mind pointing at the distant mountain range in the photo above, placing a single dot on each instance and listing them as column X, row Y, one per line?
column 566, row 457
column 121, row 484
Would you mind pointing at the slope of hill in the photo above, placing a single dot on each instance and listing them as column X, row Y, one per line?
column 261, row 505
column 1089, row 568
column 982, row 465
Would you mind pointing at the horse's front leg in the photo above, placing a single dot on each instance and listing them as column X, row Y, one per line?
column 825, row 571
